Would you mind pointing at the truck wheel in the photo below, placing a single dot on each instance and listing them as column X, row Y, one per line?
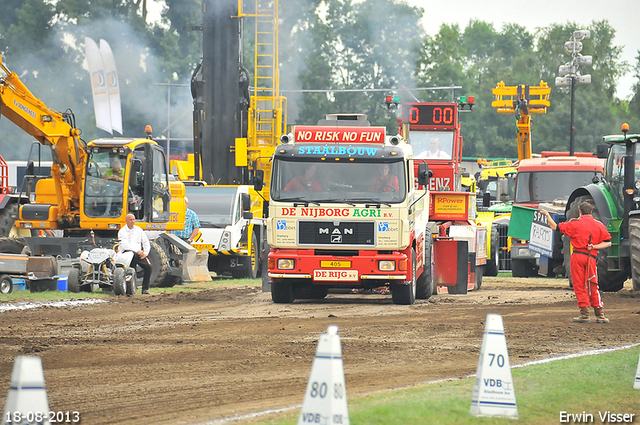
column 522, row 268
column 159, row 265
column 73, row 280
column 6, row 284
column 118, row 281
column 491, row 268
column 406, row 294
column 282, row 291
column 479, row 274
column 131, row 281
column 250, row 265
column 7, row 217
column 634, row 239
column 424, row 285
column 254, row 264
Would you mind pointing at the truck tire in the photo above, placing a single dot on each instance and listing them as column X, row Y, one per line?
column 424, row 285
column 6, row 284
column 159, row 265
column 282, row 291
column 479, row 274
column 608, row 281
column 7, row 217
column 522, row 268
column 405, row 294
column 73, row 280
column 118, row 281
column 251, row 266
column 491, row 268
column 634, row 239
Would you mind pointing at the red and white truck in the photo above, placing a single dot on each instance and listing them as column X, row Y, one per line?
column 345, row 212
column 434, row 133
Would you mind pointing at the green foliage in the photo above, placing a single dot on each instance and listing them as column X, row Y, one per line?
column 375, row 45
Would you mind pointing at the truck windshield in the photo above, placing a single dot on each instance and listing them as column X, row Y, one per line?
column 213, row 204
column 547, row 186
column 432, row 144
column 104, row 184
column 345, row 182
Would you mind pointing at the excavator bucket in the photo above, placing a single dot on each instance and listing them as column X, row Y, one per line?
column 185, row 260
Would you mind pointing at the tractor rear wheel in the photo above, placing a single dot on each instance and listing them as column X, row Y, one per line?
column 634, row 239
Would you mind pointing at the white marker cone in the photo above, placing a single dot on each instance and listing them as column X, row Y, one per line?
column 325, row 400
column 493, row 393
column 27, row 400
column 636, row 384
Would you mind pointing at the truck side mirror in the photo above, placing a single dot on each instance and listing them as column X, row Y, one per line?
column 424, row 174
column 603, row 150
column 258, row 180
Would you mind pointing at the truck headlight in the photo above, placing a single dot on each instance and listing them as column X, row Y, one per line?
column 27, row 225
column 225, row 242
column 386, row 265
column 286, row 263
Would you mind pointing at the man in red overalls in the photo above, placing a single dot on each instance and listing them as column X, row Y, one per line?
column 587, row 236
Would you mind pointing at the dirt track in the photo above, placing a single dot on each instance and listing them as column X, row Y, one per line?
column 192, row 357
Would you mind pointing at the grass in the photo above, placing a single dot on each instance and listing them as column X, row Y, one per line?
column 590, row 384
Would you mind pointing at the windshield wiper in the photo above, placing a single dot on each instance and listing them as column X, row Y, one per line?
column 374, row 202
column 298, row 201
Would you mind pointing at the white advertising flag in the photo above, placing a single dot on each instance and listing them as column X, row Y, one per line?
column 99, row 87
column 113, row 86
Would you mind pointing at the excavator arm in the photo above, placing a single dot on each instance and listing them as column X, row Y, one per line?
column 522, row 100
column 52, row 129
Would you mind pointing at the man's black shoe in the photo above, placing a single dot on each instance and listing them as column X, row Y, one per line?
column 145, row 291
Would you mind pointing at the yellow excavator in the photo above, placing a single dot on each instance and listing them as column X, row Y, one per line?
column 93, row 187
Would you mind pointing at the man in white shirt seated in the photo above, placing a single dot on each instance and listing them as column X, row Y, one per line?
column 133, row 239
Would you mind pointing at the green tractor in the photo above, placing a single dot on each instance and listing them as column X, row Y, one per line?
column 616, row 202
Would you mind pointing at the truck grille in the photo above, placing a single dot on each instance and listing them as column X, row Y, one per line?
column 336, row 233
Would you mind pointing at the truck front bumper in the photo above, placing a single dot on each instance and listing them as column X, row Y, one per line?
column 345, row 271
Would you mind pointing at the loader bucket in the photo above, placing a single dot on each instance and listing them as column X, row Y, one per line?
column 184, row 260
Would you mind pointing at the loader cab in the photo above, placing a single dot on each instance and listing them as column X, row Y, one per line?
column 126, row 176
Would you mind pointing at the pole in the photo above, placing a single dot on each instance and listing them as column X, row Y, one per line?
column 571, row 129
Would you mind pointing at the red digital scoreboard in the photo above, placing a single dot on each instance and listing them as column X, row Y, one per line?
column 438, row 116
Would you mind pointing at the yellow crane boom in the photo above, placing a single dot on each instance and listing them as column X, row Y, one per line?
column 522, row 100
column 50, row 128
